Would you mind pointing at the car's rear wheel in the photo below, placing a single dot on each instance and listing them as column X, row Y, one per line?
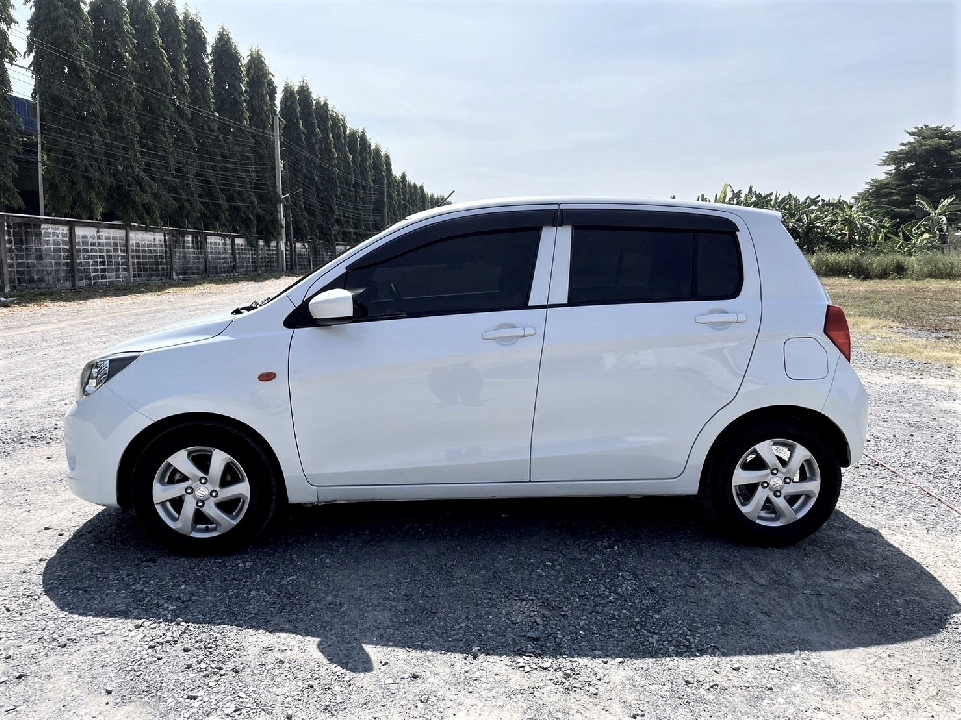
column 204, row 488
column 773, row 483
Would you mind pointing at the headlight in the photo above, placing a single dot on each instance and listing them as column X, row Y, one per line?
column 97, row 372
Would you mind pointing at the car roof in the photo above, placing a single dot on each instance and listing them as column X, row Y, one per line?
column 573, row 200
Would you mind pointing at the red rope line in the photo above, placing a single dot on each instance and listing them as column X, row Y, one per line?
column 913, row 482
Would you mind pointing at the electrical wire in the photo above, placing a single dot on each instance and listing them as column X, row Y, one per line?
column 915, row 483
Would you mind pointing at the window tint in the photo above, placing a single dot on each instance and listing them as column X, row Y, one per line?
column 633, row 265
column 628, row 265
column 718, row 266
column 470, row 273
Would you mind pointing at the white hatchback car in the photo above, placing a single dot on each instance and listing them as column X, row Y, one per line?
column 518, row 348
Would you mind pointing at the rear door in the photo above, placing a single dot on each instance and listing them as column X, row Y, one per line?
column 434, row 380
column 652, row 319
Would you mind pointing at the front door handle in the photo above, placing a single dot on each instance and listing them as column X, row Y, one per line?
column 509, row 333
column 720, row 318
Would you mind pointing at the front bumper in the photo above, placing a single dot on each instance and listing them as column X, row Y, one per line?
column 96, row 432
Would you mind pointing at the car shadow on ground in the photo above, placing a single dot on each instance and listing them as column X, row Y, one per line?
column 582, row 578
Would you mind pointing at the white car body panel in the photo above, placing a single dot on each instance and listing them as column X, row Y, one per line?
column 416, row 400
column 449, row 415
column 661, row 375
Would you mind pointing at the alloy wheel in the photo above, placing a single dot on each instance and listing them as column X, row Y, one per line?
column 776, row 482
column 201, row 492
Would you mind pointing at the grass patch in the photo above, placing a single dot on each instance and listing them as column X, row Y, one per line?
column 914, row 319
column 40, row 297
column 887, row 266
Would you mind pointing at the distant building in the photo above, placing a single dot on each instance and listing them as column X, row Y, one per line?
column 26, row 180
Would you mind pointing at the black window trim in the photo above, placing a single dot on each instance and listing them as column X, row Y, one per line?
column 645, row 228
column 641, row 219
column 488, row 223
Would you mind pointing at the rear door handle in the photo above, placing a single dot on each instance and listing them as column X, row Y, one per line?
column 720, row 318
column 509, row 333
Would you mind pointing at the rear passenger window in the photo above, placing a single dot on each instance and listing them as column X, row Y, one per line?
column 610, row 265
column 718, row 266
column 628, row 265
column 471, row 273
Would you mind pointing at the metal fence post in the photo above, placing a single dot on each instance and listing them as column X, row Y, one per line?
column 203, row 244
column 126, row 237
column 74, row 269
column 233, row 252
column 4, row 260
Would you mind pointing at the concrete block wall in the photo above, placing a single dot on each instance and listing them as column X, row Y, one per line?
column 101, row 255
column 220, row 257
column 37, row 254
column 246, row 251
column 188, row 254
column 149, row 256
column 304, row 259
column 268, row 257
column 38, row 257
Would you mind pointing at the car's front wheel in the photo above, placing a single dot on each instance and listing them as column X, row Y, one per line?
column 773, row 483
column 204, row 488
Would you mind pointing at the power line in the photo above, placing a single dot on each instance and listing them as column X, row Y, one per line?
column 70, row 56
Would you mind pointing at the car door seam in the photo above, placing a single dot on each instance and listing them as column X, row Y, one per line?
column 540, row 362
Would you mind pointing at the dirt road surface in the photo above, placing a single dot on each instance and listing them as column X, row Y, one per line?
column 521, row 609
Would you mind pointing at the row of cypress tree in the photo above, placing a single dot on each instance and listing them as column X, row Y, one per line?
column 146, row 122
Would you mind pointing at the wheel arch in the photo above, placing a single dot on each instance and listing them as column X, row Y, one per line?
column 833, row 435
column 135, row 447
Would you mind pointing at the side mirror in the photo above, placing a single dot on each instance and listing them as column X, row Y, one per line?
column 333, row 307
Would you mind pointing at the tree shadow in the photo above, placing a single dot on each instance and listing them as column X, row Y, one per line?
column 585, row 577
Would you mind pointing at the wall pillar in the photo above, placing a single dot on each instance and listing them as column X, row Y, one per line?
column 74, row 269
column 126, row 238
column 4, row 260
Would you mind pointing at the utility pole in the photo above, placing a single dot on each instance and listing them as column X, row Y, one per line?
column 39, row 160
column 281, row 238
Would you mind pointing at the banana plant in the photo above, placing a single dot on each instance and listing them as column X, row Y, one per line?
column 932, row 227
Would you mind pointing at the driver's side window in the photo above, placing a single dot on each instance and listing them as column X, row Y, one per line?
column 479, row 272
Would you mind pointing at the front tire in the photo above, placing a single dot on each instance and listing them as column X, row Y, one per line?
column 204, row 489
column 772, row 483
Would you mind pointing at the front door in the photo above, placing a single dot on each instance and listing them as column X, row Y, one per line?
column 649, row 334
column 435, row 379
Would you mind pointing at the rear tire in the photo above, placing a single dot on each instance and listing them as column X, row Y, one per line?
column 772, row 483
column 204, row 489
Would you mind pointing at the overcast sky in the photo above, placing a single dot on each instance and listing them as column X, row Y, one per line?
column 643, row 98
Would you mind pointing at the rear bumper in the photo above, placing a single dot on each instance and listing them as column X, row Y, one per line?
column 847, row 406
column 96, row 432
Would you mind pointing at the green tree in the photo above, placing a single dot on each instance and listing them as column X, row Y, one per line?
column 403, row 192
column 151, row 72
column 928, row 164
column 393, row 214
column 208, row 146
column 128, row 193
column 292, row 152
column 327, row 187
column 59, row 37
column 230, row 103
column 261, row 106
column 345, row 182
column 10, row 122
column 311, row 159
column 368, row 196
column 187, row 208
column 378, row 177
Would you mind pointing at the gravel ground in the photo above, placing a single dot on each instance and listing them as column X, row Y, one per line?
column 521, row 609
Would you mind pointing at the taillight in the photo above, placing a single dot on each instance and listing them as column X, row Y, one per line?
column 836, row 328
